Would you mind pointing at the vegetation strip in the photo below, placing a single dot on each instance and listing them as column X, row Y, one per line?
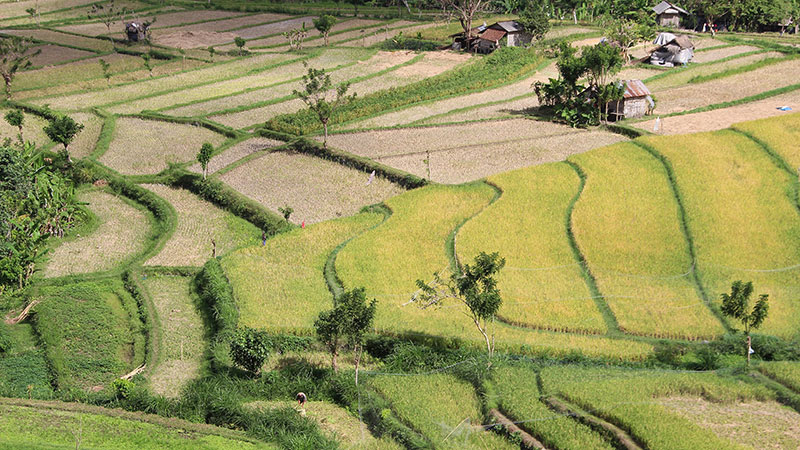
column 622, row 437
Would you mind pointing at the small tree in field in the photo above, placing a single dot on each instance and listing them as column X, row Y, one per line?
column 106, row 68
column 347, row 323
column 475, row 287
column 239, row 41
column 316, row 89
column 286, row 211
column 211, row 52
column 62, row 130
column 146, row 61
column 324, row 25
column 204, row 156
column 296, row 36
column 737, row 306
column 15, row 118
column 250, row 349
column 13, row 57
column 34, row 13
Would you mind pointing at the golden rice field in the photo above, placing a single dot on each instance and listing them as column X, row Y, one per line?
column 732, row 188
column 519, row 398
column 442, row 408
column 785, row 372
column 315, row 188
column 643, row 403
column 199, row 222
column 781, row 134
column 627, row 225
column 121, row 233
column 138, row 146
column 181, row 345
column 542, row 285
column 281, row 286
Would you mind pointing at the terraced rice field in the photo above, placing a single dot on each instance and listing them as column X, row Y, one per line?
column 781, row 134
column 86, row 140
column 518, row 397
column 281, row 286
column 181, row 334
column 225, row 88
column 680, row 76
column 138, row 146
column 147, row 87
column 78, row 71
column 121, row 233
column 726, row 52
column 54, row 54
column 32, row 128
column 490, row 148
column 541, row 284
column 337, row 423
column 785, row 372
column 644, row 403
column 630, row 235
column 237, row 152
column 315, row 188
column 430, row 65
column 199, row 222
column 442, row 408
column 86, row 43
column 340, row 69
column 163, row 20
column 492, row 110
column 727, row 89
column 728, row 181
column 18, row 8
column 410, row 245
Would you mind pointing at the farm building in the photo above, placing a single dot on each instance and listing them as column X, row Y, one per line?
column 636, row 102
column 669, row 15
column 489, row 37
column 672, row 50
column 136, row 31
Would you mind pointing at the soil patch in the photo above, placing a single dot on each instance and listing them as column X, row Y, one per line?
column 193, row 39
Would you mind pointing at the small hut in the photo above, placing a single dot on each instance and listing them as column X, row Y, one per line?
column 672, row 50
column 669, row 15
column 516, row 35
column 136, row 31
column 636, row 102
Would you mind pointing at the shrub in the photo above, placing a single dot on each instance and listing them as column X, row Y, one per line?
column 5, row 338
column 122, row 388
column 250, row 348
column 401, row 42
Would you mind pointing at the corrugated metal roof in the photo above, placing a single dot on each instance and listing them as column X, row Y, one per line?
column 664, row 6
column 493, row 34
column 510, row 26
column 635, row 88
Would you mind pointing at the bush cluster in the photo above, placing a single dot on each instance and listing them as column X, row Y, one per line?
column 217, row 296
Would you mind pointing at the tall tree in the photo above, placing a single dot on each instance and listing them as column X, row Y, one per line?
column 737, row 306
column 534, row 21
column 324, row 24
column 475, row 287
column 204, row 156
column 62, row 130
column 317, row 94
column 15, row 55
column 465, row 10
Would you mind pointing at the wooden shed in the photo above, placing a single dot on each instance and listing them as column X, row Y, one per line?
column 636, row 102
column 669, row 15
column 513, row 31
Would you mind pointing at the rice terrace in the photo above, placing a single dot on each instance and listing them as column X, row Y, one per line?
column 406, row 224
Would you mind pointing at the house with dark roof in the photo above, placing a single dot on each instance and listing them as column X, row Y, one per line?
column 669, row 15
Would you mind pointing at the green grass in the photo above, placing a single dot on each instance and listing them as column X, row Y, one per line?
column 631, row 400
column 51, row 425
column 785, row 372
column 542, row 285
column 518, row 397
column 24, row 365
column 441, row 407
column 743, row 218
column 411, row 245
column 281, row 286
column 631, row 236
column 91, row 332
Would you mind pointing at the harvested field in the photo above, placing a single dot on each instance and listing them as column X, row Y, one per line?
column 701, row 42
column 272, row 31
column 100, row 45
column 138, row 146
column 631, row 237
column 181, row 333
column 86, row 140
column 121, row 233
column 432, row 64
column 193, row 39
column 221, row 27
column 163, row 21
column 237, row 152
column 378, row 62
column 199, row 222
column 636, row 73
column 331, row 58
column 375, row 36
column 31, row 128
column 488, row 151
column 72, row 73
column 542, row 283
column 727, row 89
column 280, row 286
column 757, row 425
column 588, row 42
column 713, row 55
column 502, row 110
column 560, row 32
column 150, row 86
column 723, row 118
column 680, row 76
column 54, row 54
column 421, row 112
column 317, row 189
column 18, row 8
